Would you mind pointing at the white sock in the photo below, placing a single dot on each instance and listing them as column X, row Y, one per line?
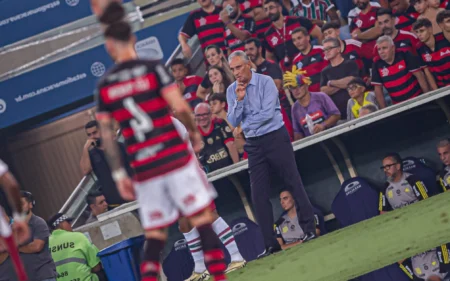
column 222, row 229
column 195, row 247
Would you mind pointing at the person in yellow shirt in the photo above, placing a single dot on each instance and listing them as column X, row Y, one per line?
column 359, row 97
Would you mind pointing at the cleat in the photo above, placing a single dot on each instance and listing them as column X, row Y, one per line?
column 199, row 276
column 234, row 265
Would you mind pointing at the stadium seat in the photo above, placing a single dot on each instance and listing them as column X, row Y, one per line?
column 179, row 264
column 356, row 201
column 422, row 171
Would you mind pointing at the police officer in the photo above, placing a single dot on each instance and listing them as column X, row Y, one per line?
column 75, row 256
column 443, row 148
column 401, row 189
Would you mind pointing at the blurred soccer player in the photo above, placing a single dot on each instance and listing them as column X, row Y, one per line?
column 138, row 94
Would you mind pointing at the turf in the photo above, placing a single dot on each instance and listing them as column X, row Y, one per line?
column 360, row 248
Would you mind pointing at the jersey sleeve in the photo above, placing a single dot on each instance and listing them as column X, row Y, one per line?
column 384, row 205
column 266, row 44
column 306, row 23
column 164, row 77
column 90, row 252
column 376, row 78
column 188, row 28
column 420, row 190
column 102, row 107
column 412, row 62
column 3, row 168
column 226, row 132
column 445, row 186
column 323, row 79
column 406, row 267
column 443, row 253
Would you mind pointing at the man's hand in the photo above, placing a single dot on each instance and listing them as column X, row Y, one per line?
column 21, row 231
column 186, row 49
column 318, row 128
column 88, row 143
column 196, row 141
column 218, row 87
column 237, row 132
column 241, row 89
column 126, row 189
column 224, row 16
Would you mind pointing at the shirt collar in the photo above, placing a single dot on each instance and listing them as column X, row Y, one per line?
column 58, row 231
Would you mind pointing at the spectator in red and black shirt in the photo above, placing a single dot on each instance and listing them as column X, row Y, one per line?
column 443, row 19
column 238, row 27
column 206, row 23
column 188, row 84
column 350, row 48
column 278, row 42
column 247, row 6
column 262, row 22
column 363, row 26
column 405, row 13
column 399, row 72
column 311, row 58
column 434, row 51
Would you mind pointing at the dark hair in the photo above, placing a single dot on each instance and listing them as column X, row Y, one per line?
column 92, row 196
column 217, row 96
column 396, row 157
column 225, row 80
column 114, row 12
column 256, row 41
column 286, row 190
column 91, row 124
column 331, row 24
column 215, row 47
column 272, row 1
column 442, row 15
column 357, row 81
column 120, row 31
column 422, row 22
column 177, row 61
column 383, row 11
column 300, row 29
column 28, row 196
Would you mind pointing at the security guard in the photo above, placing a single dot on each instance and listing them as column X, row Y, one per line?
column 443, row 148
column 401, row 189
column 429, row 265
column 74, row 255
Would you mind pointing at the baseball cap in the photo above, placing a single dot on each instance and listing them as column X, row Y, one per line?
column 55, row 220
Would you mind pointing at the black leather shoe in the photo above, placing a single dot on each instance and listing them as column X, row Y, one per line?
column 268, row 251
column 309, row 236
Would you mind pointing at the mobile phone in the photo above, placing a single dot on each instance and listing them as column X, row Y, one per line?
column 229, row 9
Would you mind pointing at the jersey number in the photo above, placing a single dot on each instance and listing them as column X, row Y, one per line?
column 141, row 123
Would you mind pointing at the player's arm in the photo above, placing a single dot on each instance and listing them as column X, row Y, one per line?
column 12, row 190
column 414, row 66
column 370, row 34
column 240, row 34
column 187, row 32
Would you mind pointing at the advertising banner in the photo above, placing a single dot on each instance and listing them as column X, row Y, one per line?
column 20, row 19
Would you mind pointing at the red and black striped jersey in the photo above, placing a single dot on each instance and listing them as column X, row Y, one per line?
column 261, row 27
column 404, row 41
column 365, row 21
column 352, row 50
column 445, row 4
column 244, row 23
column 398, row 78
column 246, row 6
column 313, row 62
column 131, row 92
column 437, row 60
column 405, row 20
column 191, row 85
column 279, row 41
column 208, row 27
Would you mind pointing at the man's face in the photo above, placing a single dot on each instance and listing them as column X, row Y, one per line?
column 100, row 206
column 444, row 154
column 204, row 3
column 93, row 133
column 203, row 117
column 362, row 4
column 421, row 6
column 241, row 69
column 26, row 206
column 273, row 11
column 445, row 25
column 386, row 51
column 424, row 33
column 331, row 33
column 233, row 5
column 179, row 72
column 387, row 24
column 300, row 41
column 391, row 168
column 252, row 51
column 286, row 200
column 217, row 106
column 331, row 51
column 299, row 92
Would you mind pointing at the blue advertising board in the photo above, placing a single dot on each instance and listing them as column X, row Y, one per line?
column 20, row 19
column 74, row 78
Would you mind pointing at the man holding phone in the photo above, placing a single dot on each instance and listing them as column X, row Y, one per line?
column 93, row 160
column 238, row 27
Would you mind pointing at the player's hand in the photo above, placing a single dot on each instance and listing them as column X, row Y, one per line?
column 318, row 128
column 241, row 89
column 196, row 141
column 224, row 16
column 21, row 231
column 126, row 189
column 187, row 52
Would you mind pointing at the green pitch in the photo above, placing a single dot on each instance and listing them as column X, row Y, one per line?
column 360, row 248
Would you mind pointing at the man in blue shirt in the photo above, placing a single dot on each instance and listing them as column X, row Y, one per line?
column 253, row 102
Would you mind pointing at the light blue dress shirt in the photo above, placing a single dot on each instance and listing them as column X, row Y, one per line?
column 259, row 111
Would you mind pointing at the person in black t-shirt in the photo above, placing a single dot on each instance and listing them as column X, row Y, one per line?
column 335, row 77
column 218, row 143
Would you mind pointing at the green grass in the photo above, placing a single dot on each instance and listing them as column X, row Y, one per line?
column 360, row 248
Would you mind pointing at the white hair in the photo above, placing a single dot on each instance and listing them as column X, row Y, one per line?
column 443, row 143
column 240, row 54
column 203, row 104
column 385, row 38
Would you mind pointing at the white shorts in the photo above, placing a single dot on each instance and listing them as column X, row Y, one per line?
column 5, row 229
column 162, row 199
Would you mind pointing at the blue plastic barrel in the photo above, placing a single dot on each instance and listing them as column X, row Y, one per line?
column 121, row 260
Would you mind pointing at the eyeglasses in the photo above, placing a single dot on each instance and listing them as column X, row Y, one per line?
column 330, row 48
column 202, row 115
column 353, row 87
column 387, row 167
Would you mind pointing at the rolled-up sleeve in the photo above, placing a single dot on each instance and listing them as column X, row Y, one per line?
column 235, row 108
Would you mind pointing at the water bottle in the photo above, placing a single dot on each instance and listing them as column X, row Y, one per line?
column 310, row 123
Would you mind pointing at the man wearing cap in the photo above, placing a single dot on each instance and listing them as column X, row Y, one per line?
column 74, row 255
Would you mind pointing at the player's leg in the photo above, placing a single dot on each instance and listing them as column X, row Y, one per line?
column 150, row 266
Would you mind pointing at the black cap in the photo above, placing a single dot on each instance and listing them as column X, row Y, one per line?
column 357, row 81
column 55, row 220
